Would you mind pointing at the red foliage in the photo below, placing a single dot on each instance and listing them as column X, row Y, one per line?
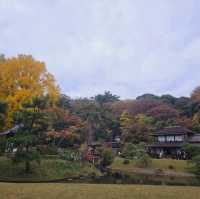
column 122, row 106
column 143, row 106
column 163, row 112
column 74, row 124
column 58, row 134
column 67, row 134
column 72, row 118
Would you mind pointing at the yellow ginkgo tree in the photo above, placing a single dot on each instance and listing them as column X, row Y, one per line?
column 21, row 79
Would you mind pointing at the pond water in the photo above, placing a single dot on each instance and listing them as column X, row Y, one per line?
column 121, row 178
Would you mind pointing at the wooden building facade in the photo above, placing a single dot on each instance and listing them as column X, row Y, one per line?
column 169, row 142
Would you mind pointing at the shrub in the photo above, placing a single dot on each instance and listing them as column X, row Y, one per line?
column 48, row 149
column 117, row 175
column 126, row 161
column 171, row 167
column 107, row 157
column 93, row 175
column 2, row 145
column 192, row 149
column 144, row 161
column 134, row 151
column 196, row 162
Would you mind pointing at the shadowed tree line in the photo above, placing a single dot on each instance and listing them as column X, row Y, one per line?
column 29, row 95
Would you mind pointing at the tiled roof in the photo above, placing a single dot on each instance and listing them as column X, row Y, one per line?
column 12, row 130
column 174, row 130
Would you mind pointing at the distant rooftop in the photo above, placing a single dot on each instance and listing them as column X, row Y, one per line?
column 12, row 130
column 174, row 130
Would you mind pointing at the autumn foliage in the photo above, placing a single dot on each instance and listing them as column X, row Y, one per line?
column 67, row 129
column 99, row 118
column 21, row 79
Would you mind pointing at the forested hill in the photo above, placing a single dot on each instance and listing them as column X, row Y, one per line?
column 136, row 119
column 24, row 80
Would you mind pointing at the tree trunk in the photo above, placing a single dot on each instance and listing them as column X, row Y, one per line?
column 89, row 134
column 27, row 166
column 27, row 162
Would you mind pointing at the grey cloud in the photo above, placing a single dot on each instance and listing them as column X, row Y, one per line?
column 127, row 46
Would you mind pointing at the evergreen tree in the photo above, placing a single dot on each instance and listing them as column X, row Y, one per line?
column 34, row 121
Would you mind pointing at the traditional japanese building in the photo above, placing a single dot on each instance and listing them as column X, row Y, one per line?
column 169, row 142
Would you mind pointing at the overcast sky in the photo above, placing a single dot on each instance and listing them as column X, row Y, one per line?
column 129, row 47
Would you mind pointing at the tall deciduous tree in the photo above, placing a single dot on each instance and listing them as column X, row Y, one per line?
column 163, row 112
column 68, row 129
column 119, row 107
column 22, row 78
column 144, row 105
column 100, row 120
column 137, row 128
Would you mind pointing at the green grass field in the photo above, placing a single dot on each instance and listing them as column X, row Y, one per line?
column 87, row 191
column 165, row 164
column 49, row 169
column 52, row 168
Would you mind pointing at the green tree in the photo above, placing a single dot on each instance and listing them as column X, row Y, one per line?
column 22, row 78
column 100, row 120
column 107, row 157
column 89, row 112
column 134, row 151
column 144, row 161
column 2, row 58
column 66, row 129
column 3, row 110
column 137, row 128
column 64, row 102
column 193, row 150
column 33, row 118
column 196, row 164
column 138, row 153
column 106, row 97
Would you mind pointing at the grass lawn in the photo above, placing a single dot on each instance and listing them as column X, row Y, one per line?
column 49, row 169
column 87, row 191
column 178, row 165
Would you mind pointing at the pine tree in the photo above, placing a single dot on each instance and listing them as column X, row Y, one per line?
column 33, row 117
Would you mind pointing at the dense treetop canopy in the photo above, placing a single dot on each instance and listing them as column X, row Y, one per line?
column 22, row 78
